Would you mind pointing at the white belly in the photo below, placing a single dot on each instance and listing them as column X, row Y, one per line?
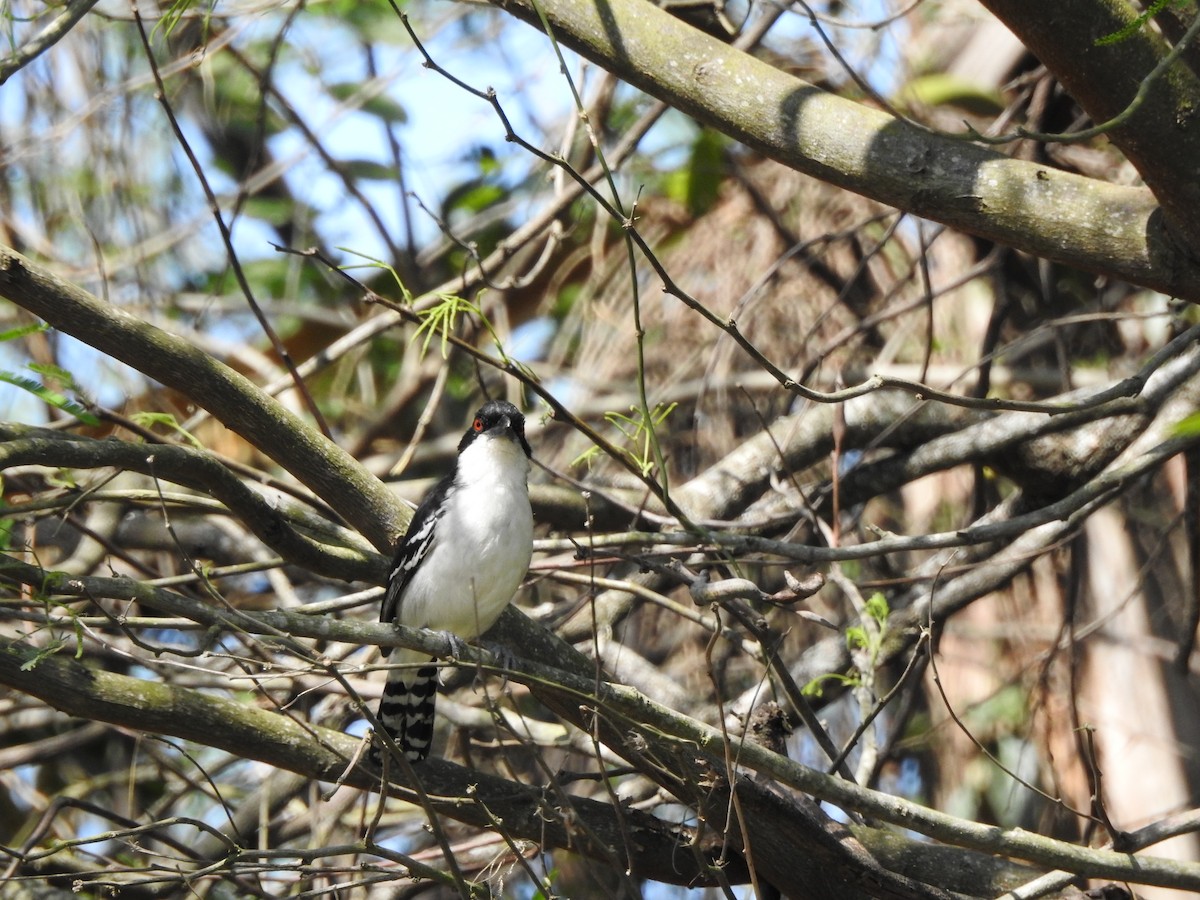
column 464, row 584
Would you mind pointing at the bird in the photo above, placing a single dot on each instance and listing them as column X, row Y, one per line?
column 464, row 555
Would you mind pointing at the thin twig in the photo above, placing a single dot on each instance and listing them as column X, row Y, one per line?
column 226, row 236
column 55, row 31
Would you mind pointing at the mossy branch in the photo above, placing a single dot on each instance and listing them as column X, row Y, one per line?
column 325, row 468
column 1083, row 222
column 584, row 826
column 24, row 446
column 674, row 749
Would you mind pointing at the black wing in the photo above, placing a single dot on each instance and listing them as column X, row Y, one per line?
column 418, row 541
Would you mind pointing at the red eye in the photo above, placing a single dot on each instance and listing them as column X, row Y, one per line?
column 477, row 425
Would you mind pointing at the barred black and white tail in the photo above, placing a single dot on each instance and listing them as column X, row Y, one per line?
column 407, row 708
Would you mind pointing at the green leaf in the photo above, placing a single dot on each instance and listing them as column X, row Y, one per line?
column 373, row 263
column 675, row 185
column 544, row 890
column 474, row 197
column 150, row 419
column 272, row 210
column 856, row 637
column 171, row 17
column 1132, row 28
column 7, row 524
column 1189, row 426
column 49, row 397
column 62, row 478
column 442, row 319
column 56, row 373
column 387, row 109
column 877, row 608
column 586, row 456
column 21, row 331
column 369, row 170
column 634, row 429
column 816, row 687
column 485, row 158
column 373, row 19
column 705, row 170
column 382, row 107
column 49, row 650
column 564, row 301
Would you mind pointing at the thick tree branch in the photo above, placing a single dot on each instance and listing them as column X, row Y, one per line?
column 23, row 446
column 1083, row 222
column 685, row 755
column 325, row 468
column 1162, row 135
column 539, row 814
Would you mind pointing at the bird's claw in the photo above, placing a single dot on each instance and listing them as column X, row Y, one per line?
column 458, row 646
column 505, row 658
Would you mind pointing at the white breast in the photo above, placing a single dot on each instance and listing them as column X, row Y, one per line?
column 483, row 544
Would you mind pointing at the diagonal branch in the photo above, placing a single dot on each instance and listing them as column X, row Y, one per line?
column 1083, row 222
column 325, row 468
column 1161, row 135
column 21, row 445
column 323, row 754
column 45, row 39
column 681, row 753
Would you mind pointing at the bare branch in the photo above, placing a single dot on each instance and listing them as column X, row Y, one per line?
column 325, row 468
column 54, row 32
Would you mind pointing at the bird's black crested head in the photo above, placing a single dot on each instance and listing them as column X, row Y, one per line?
column 497, row 418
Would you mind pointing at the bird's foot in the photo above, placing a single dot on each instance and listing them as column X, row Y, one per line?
column 505, row 658
column 458, row 646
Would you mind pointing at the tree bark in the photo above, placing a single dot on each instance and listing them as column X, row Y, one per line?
column 586, row 826
column 1082, row 222
column 324, row 467
column 1162, row 136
